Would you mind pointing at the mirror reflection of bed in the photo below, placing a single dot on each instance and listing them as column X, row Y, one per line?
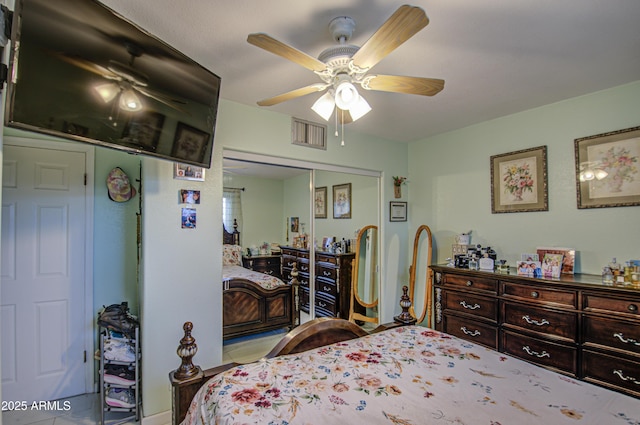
column 273, row 194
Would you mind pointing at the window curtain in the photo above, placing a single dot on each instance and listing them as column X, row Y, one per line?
column 231, row 208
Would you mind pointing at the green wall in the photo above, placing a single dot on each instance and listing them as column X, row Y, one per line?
column 454, row 174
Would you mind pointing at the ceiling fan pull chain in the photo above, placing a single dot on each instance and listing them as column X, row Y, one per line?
column 342, row 110
column 336, row 121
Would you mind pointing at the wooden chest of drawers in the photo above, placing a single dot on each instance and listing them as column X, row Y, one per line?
column 573, row 325
column 268, row 264
column 332, row 280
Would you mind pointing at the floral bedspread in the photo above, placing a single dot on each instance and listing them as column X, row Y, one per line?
column 262, row 279
column 404, row 376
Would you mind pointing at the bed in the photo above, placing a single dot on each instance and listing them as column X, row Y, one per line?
column 252, row 302
column 397, row 375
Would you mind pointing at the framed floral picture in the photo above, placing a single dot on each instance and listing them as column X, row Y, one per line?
column 320, row 202
column 519, row 181
column 342, row 201
column 608, row 169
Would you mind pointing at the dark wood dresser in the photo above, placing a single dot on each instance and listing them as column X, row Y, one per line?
column 268, row 264
column 574, row 325
column 332, row 280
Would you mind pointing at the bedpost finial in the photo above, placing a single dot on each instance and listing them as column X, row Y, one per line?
column 186, row 350
column 405, row 302
column 296, row 294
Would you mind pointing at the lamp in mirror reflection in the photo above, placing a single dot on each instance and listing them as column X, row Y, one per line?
column 128, row 101
column 590, row 171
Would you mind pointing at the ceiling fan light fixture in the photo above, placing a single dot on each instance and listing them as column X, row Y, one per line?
column 359, row 109
column 129, row 101
column 324, row 106
column 346, row 95
column 107, row 91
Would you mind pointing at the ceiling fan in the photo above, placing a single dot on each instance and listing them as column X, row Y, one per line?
column 343, row 66
column 125, row 81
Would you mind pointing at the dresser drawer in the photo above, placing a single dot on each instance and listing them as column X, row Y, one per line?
column 610, row 333
column 326, row 258
column 288, row 261
column 549, row 322
column 327, row 287
column 546, row 295
column 468, row 329
column 561, row 357
column 325, row 305
column 303, row 265
column 327, row 272
column 614, row 372
column 472, row 283
column 467, row 303
column 611, row 305
column 304, row 299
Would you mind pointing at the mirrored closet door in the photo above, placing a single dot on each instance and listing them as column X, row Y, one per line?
column 295, row 213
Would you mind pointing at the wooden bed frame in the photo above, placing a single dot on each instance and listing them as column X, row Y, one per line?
column 254, row 309
column 188, row 378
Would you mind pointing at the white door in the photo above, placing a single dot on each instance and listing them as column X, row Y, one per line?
column 43, row 271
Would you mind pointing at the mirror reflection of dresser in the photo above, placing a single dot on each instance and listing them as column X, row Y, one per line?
column 268, row 264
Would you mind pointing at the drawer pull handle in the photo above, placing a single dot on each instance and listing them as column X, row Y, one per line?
column 470, row 333
column 625, row 340
column 291, row 263
column 535, row 322
column 326, row 273
column 469, row 283
column 535, row 294
column 464, row 304
column 625, row 378
column 321, row 304
column 326, row 289
column 269, row 272
column 533, row 353
column 632, row 307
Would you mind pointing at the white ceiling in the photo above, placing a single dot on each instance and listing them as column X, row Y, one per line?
column 497, row 57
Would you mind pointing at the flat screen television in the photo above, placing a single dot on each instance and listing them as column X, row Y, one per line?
column 80, row 71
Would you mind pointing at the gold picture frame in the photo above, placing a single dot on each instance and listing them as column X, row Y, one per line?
column 608, row 170
column 519, row 181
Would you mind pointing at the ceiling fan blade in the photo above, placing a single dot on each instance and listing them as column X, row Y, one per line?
column 400, row 84
column 89, row 66
column 293, row 94
column 401, row 26
column 276, row 47
column 161, row 99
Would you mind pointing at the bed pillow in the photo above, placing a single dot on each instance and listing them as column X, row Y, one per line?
column 232, row 255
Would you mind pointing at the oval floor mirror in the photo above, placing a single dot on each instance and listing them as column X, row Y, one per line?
column 420, row 282
column 364, row 277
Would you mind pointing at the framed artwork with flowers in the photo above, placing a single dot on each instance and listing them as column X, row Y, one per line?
column 519, row 181
column 608, row 169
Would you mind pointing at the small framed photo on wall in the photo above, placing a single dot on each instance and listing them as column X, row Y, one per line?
column 187, row 172
column 397, row 211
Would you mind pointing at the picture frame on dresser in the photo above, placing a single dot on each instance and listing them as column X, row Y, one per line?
column 519, row 181
column 607, row 169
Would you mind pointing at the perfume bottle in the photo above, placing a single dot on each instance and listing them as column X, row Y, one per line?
column 607, row 276
column 486, row 263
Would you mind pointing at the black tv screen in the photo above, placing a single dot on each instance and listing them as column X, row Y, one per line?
column 79, row 70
